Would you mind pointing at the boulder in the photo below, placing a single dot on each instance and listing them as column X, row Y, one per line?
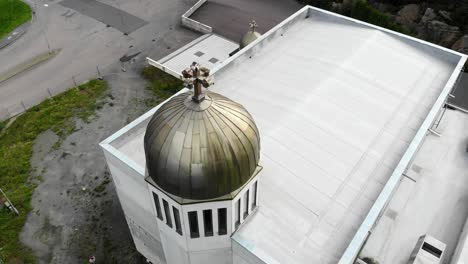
column 445, row 15
column 461, row 45
column 429, row 15
column 441, row 33
column 409, row 14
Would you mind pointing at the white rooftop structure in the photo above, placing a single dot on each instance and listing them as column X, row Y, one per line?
column 208, row 50
column 341, row 106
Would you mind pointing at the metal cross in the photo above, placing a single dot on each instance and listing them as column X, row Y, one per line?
column 195, row 77
column 253, row 25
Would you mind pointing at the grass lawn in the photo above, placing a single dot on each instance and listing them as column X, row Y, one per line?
column 12, row 14
column 16, row 149
column 162, row 85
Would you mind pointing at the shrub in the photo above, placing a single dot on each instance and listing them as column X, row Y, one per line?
column 365, row 12
column 324, row 4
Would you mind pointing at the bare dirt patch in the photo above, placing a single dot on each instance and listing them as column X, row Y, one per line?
column 76, row 209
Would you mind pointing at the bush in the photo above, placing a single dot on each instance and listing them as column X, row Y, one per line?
column 365, row 12
column 324, row 4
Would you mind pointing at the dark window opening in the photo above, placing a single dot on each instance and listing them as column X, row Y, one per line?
column 208, row 222
column 246, row 207
column 178, row 227
column 254, row 196
column 167, row 213
column 432, row 250
column 193, row 224
column 222, row 221
column 238, row 213
column 158, row 206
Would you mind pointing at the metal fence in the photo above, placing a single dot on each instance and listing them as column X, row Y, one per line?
column 10, row 110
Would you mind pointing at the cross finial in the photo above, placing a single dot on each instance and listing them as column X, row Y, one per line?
column 195, row 76
column 253, row 25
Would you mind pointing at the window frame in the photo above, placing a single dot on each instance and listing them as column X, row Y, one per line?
column 167, row 213
column 208, row 222
column 254, row 195
column 246, row 204
column 237, row 208
column 222, row 220
column 178, row 225
column 158, row 206
column 194, row 229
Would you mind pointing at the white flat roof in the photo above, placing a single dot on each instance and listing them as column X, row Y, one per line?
column 209, row 50
column 337, row 103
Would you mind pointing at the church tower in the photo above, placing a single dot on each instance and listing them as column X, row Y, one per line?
column 202, row 153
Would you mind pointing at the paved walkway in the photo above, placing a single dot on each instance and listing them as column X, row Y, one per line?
column 432, row 199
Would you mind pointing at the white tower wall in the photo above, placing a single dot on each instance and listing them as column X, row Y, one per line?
column 213, row 246
column 133, row 196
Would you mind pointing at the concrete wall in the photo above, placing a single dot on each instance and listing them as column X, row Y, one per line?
column 163, row 68
column 192, row 24
column 460, row 256
column 133, row 196
column 241, row 255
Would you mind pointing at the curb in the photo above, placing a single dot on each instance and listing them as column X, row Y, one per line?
column 15, row 34
column 27, row 65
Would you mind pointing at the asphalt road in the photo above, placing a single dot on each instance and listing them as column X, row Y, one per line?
column 85, row 43
column 230, row 18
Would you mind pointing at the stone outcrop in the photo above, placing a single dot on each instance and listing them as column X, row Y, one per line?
column 429, row 15
column 445, row 15
column 408, row 15
column 441, row 33
column 461, row 45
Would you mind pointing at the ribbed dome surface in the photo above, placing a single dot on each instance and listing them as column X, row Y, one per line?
column 201, row 151
column 248, row 38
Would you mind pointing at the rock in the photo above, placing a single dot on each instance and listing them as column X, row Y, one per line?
column 461, row 45
column 385, row 7
column 441, row 33
column 429, row 15
column 445, row 15
column 408, row 15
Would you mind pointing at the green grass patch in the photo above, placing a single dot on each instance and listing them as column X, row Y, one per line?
column 162, row 85
column 16, row 148
column 13, row 13
column 2, row 125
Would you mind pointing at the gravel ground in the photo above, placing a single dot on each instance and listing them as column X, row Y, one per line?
column 76, row 209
